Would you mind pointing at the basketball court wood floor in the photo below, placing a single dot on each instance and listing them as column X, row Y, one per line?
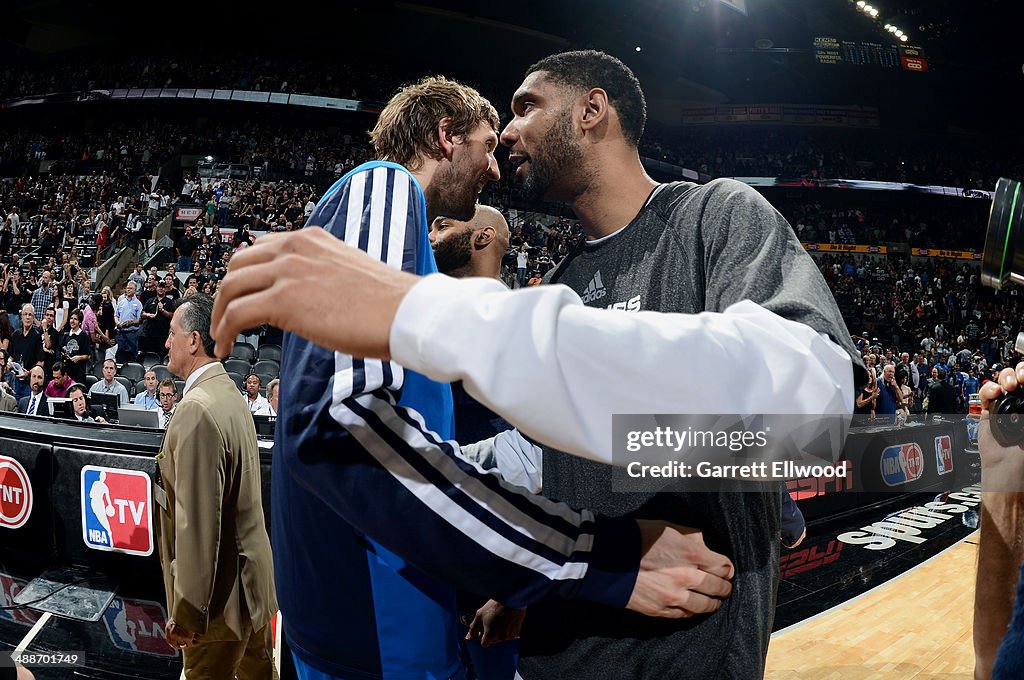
column 916, row 626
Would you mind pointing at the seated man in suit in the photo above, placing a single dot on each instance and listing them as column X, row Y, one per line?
column 35, row 403
column 168, row 393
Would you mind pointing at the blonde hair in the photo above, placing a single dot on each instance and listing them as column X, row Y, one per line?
column 406, row 131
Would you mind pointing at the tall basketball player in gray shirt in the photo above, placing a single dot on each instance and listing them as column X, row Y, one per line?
column 674, row 247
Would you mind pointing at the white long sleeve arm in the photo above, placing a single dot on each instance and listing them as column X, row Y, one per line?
column 559, row 370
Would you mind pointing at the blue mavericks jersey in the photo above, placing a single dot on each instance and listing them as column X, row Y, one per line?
column 351, row 607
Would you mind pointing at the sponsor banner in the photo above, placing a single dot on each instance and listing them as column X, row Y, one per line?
column 187, row 214
column 845, row 248
column 784, row 114
column 117, row 511
column 870, row 185
column 913, row 59
column 186, row 93
column 827, row 50
column 15, row 494
column 947, row 254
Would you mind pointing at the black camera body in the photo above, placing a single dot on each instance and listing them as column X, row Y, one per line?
column 1002, row 262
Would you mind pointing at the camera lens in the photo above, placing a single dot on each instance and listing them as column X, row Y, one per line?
column 1003, row 259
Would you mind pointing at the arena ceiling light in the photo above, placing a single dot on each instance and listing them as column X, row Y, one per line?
column 873, row 12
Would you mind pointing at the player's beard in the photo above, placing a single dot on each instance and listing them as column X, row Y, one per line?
column 454, row 252
column 560, row 161
column 454, row 190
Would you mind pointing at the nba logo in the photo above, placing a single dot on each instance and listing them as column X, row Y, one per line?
column 116, row 510
column 944, row 454
column 138, row 626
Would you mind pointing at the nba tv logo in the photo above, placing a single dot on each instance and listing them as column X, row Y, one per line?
column 944, row 454
column 595, row 290
column 117, row 510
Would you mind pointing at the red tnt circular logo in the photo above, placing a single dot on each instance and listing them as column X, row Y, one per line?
column 915, row 462
column 15, row 494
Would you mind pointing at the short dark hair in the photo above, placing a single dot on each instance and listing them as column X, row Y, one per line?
column 255, row 375
column 111, row 361
column 57, row 366
column 77, row 387
column 586, row 69
column 940, row 372
column 197, row 315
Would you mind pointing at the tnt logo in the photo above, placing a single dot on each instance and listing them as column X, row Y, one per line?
column 901, row 464
column 138, row 626
column 15, row 494
column 116, row 510
column 944, row 454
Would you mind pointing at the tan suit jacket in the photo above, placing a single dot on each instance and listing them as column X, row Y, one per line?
column 214, row 547
column 8, row 404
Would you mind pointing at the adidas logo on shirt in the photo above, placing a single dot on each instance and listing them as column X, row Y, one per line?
column 595, row 289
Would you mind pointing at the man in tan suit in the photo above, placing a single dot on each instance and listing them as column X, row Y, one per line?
column 214, row 548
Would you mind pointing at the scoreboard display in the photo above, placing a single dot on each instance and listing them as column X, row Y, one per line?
column 828, row 50
column 871, row 54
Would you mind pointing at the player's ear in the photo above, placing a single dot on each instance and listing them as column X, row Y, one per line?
column 445, row 139
column 483, row 237
column 595, row 108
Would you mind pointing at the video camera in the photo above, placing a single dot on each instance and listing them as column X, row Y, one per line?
column 1002, row 262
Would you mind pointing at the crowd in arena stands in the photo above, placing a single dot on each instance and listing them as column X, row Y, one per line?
column 114, row 344
column 57, row 215
column 939, row 225
column 248, row 205
column 141, row 148
column 936, row 310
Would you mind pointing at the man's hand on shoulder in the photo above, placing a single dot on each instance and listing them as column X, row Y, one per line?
column 679, row 575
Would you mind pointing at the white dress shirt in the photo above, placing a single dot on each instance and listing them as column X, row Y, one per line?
column 559, row 370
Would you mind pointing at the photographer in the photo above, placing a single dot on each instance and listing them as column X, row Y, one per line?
column 1001, row 546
